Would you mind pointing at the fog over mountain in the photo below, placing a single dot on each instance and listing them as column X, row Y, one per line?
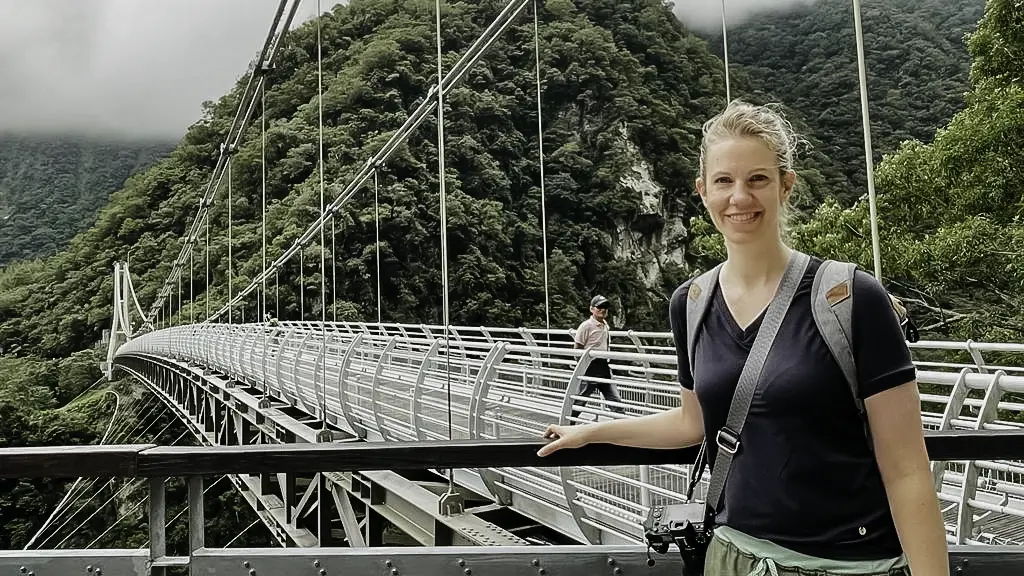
column 124, row 68
column 706, row 15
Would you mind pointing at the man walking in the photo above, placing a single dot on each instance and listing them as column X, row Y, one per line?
column 594, row 333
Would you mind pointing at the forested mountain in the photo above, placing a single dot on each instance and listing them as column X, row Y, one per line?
column 625, row 90
column 806, row 58
column 952, row 212
column 52, row 187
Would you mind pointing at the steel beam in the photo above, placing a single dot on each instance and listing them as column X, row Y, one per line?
column 67, row 562
column 407, row 505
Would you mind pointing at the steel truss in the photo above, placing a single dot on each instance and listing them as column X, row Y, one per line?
column 321, row 509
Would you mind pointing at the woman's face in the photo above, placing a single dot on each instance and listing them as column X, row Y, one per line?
column 743, row 189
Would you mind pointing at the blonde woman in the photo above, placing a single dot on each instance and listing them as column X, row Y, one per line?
column 808, row 491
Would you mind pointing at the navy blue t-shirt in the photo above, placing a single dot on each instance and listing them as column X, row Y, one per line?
column 804, row 477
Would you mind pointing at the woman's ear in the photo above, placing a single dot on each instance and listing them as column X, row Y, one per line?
column 699, row 185
column 788, row 181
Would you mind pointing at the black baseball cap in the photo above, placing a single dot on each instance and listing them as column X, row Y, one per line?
column 600, row 302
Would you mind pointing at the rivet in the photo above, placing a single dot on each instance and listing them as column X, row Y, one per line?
column 323, row 572
column 611, row 561
column 461, row 562
column 534, row 562
column 467, row 572
column 617, row 571
column 542, row 572
column 87, row 569
column 245, row 563
column 23, row 569
column 99, row 572
column 316, row 563
column 394, row 572
column 387, row 563
column 252, row 572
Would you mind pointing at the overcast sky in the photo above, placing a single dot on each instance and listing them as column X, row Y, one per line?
column 143, row 68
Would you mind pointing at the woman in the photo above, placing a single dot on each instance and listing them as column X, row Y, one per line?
column 806, row 491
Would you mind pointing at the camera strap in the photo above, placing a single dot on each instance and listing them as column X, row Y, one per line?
column 728, row 437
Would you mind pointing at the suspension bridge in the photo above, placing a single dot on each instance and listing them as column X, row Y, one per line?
column 331, row 430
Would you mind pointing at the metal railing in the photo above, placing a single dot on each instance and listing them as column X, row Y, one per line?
column 391, row 382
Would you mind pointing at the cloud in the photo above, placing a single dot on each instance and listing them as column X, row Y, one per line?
column 125, row 68
column 706, row 15
column 134, row 69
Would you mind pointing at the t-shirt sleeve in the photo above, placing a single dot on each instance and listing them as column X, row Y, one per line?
column 879, row 347
column 677, row 320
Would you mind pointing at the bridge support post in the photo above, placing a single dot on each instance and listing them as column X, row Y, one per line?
column 196, row 516
column 157, row 526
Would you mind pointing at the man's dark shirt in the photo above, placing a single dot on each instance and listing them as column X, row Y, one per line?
column 804, row 477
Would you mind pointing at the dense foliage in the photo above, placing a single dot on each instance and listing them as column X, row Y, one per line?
column 951, row 213
column 34, row 411
column 916, row 66
column 52, row 187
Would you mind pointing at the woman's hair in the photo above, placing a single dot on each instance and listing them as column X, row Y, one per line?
column 766, row 123
column 747, row 120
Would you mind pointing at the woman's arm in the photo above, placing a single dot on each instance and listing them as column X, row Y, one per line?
column 895, row 419
column 675, row 428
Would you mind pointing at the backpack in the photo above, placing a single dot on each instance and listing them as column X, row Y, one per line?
column 831, row 306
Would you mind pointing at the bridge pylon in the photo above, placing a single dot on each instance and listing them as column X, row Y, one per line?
column 121, row 329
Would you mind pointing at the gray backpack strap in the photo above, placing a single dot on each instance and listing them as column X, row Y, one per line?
column 832, row 306
column 728, row 438
column 698, row 296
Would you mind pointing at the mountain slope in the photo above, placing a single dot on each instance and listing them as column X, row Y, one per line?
column 625, row 92
column 51, row 187
column 916, row 63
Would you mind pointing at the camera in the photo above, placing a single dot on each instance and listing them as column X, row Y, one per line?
column 684, row 525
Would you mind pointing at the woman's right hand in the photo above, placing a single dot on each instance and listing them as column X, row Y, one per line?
column 564, row 437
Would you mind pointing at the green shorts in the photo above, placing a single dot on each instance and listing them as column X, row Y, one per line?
column 733, row 553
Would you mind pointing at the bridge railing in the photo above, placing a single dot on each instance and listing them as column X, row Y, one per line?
column 411, row 383
column 157, row 463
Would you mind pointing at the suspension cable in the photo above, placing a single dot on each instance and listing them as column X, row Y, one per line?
column 263, row 169
column 540, row 154
column 302, row 285
column 444, row 234
column 323, row 241
column 230, row 263
column 110, row 481
column 458, row 72
column 67, row 495
column 244, row 530
column 191, row 288
column 334, row 274
column 207, row 255
column 444, row 215
column 866, row 120
column 725, row 50
column 376, row 223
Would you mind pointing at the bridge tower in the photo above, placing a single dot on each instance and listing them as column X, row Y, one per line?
column 121, row 329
